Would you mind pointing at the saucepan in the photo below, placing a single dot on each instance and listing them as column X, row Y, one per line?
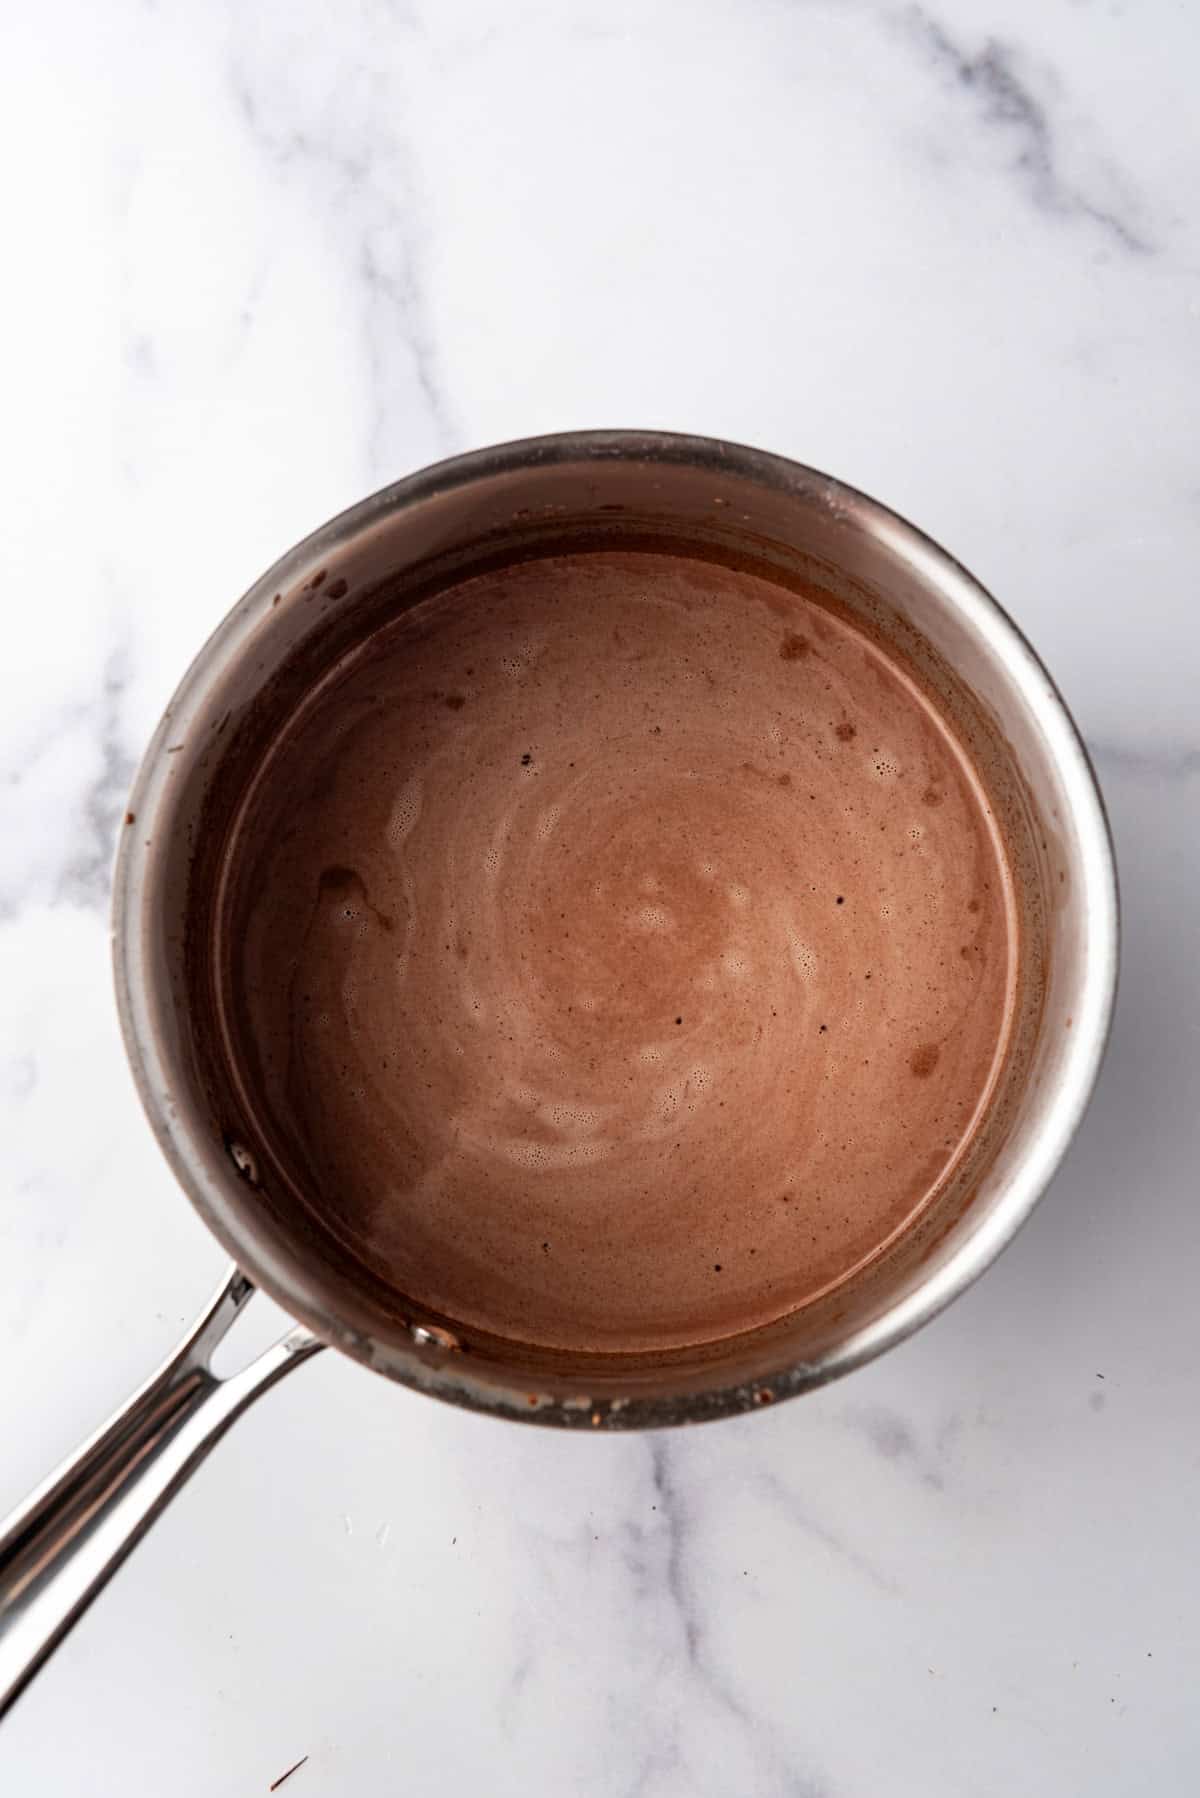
column 64, row 1542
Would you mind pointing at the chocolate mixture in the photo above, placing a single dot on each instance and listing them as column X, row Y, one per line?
column 620, row 949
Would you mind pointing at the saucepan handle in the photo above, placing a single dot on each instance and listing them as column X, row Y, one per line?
column 59, row 1548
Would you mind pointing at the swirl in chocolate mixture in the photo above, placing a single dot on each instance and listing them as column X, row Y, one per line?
column 621, row 955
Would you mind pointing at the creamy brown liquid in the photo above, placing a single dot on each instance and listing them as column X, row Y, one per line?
column 625, row 951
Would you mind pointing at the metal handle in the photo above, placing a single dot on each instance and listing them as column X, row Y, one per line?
column 59, row 1548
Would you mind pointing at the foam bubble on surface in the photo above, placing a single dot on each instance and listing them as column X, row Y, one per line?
column 653, row 918
column 406, row 810
column 804, row 958
column 570, row 1120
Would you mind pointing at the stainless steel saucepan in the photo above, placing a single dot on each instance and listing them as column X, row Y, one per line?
column 59, row 1548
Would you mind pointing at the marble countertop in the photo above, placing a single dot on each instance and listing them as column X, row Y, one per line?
column 263, row 258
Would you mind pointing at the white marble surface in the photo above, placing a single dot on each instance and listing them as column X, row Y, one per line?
column 261, row 258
